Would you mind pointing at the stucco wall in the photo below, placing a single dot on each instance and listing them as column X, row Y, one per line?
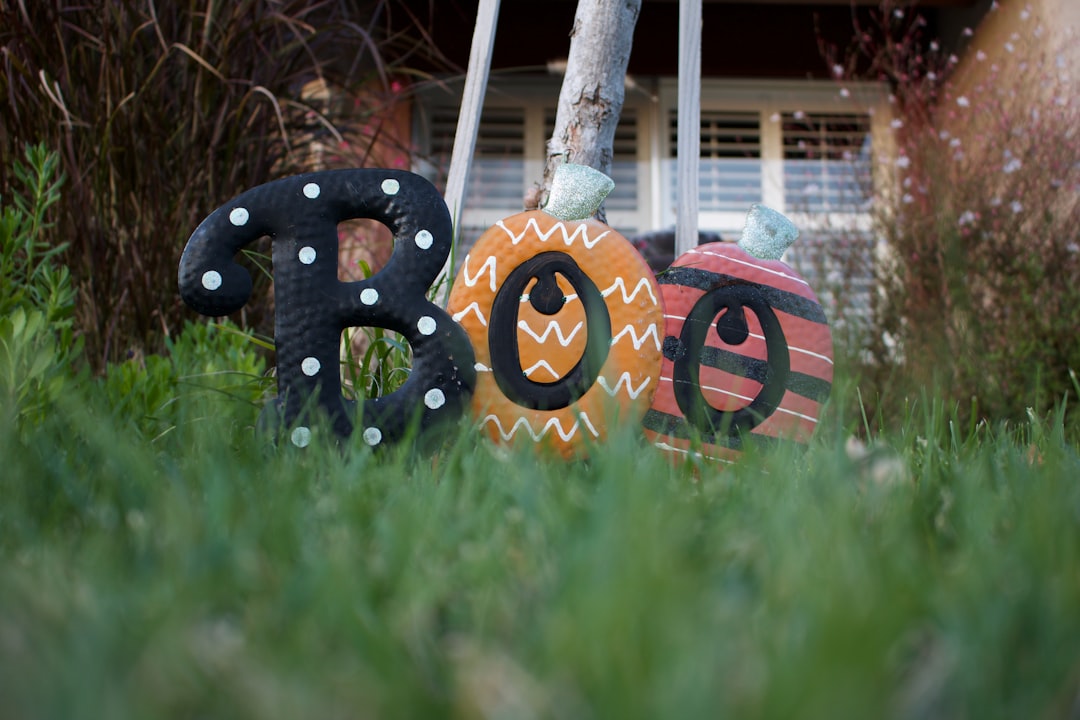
column 1017, row 30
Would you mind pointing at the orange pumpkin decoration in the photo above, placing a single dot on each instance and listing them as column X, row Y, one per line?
column 728, row 373
column 565, row 319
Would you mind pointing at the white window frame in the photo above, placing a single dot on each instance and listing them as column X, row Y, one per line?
column 652, row 100
column 771, row 99
column 537, row 96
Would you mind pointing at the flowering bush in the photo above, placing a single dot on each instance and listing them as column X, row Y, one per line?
column 978, row 276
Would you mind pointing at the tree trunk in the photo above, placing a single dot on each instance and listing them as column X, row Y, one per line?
column 591, row 98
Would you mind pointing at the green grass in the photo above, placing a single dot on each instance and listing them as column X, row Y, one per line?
column 202, row 573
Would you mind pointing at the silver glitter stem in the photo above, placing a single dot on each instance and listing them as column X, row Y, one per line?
column 767, row 234
column 577, row 192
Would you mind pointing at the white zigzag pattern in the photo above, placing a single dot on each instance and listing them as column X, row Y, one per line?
column 620, row 284
column 475, row 307
column 567, row 239
column 542, row 364
column 638, row 341
column 552, row 423
column 488, row 265
column 624, row 379
column 553, row 326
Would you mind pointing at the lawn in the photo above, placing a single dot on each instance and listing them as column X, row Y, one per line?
column 159, row 558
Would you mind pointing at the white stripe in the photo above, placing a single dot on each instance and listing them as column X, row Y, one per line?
column 747, row 399
column 804, row 351
column 696, row 251
column 672, row 448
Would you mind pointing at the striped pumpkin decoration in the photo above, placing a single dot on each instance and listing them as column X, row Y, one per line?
column 747, row 348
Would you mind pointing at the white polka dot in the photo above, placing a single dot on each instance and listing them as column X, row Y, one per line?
column 369, row 296
column 434, row 398
column 239, row 217
column 372, row 436
column 307, row 254
column 312, row 190
column 424, row 239
column 426, row 325
column 311, row 366
column 211, row 279
column 390, row 186
column 301, row 437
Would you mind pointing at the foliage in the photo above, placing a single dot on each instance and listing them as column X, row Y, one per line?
column 978, row 276
column 31, row 276
column 931, row 573
column 162, row 112
column 36, row 295
column 203, row 359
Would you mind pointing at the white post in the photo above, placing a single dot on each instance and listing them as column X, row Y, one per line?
column 472, row 104
column 688, row 147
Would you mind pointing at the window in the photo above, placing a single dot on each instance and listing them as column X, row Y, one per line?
column 827, row 161
column 795, row 146
column 510, row 152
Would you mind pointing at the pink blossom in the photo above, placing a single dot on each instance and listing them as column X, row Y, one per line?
column 980, row 56
column 838, row 70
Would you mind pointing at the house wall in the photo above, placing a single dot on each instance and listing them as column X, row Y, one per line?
column 1014, row 31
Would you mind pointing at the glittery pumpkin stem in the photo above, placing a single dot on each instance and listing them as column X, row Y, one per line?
column 767, row 234
column 577, row 192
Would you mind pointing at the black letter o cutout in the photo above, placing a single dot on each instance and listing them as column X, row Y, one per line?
column 312, row 307
column 732, row 328
column 547, row 299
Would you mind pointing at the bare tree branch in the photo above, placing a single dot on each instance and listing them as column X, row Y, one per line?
column 591, row 98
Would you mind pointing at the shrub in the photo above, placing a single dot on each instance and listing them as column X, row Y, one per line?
column 163, row 111
column 36, row 296
column 979, row 281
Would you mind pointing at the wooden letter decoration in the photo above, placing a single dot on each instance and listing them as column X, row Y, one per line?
column 312, row 307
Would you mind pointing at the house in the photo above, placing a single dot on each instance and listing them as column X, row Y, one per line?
column 775, row 126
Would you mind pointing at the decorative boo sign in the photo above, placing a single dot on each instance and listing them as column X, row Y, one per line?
column 555, row 326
